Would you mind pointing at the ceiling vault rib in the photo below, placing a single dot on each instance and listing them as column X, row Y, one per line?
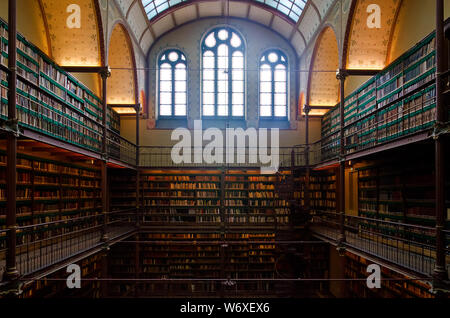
column 129, row 8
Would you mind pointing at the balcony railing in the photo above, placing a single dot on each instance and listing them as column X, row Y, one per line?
column 406, row 245
column 43, row 245
column 161, row 156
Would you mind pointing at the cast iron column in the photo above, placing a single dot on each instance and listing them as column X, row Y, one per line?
column 440, row 272
column 341, row 76
column 11, row 147
column 307, row 109
column 104, row 184
column 137, row 168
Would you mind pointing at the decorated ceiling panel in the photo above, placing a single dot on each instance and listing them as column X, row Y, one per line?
column 120, row 60
column 324, row 88
column 310, row 23
column 323, row 6
column 72, row 45
column 369, row 42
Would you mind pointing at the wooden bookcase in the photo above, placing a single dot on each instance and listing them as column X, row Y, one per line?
column 399, row 101
column 50, row 190
column 51, row 101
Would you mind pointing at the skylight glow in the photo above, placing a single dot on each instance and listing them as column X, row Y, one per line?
column 290, row 8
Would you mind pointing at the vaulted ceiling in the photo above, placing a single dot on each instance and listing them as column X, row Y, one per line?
column 295, row 20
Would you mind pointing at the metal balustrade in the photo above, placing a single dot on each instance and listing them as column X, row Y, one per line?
column 409, row 246
column 43, row 245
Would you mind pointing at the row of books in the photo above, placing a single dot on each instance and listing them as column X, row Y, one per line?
column 372, row 115
column 60, row 93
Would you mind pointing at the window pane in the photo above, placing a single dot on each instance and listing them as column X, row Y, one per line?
column 266, row 87
column 222, row 34
column 165, row 73
column 208, row 110
column 222, row 110
column 280, row 87
column 208, row 75
column 180, row 98
column 208, row 60
column 238, row 110
column 238, row 86
column 180, row 110
column 222, row 86
column 280, row 73
column 210, row 40
column 180, row 72
column 238, row 60
column 266, row 73
column 280, row 111
column 235, row 40
column 165, row 110
column 208, row 98
column 238, row 75
column 280, row 99
column 165, row 98
column 238, row 99
column 180, row 86
column 222, row 98
column 165, row 86
column 208, row 87
column 266, row 99
column 266, row 111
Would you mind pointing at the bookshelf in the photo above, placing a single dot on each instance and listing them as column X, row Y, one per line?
column 51, row 101
column 394, row 285
column 50, row 190
column 322, row 189
column 210, row 197
column 399, row 101
column 54, row 285
column 122, row 189
column 399, row 191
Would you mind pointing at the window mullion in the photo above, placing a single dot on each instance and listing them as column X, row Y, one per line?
column 230, row 81
column 216, row 82
column 173, row 90
column 273, row 90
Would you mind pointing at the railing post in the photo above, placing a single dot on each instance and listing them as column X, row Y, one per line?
column 440, row 275
column 105, row 73
column 306, row 110
column 11, row 273
column 341, row 76
column 137, row 167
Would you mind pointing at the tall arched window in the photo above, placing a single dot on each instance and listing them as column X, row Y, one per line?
column 273, row 92
column 172, row 84
column 223, row 74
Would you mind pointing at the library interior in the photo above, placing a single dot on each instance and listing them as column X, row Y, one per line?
column 106, row 191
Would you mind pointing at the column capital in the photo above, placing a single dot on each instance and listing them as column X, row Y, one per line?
column 105, row 72
column 341, row 74
column 306, row 109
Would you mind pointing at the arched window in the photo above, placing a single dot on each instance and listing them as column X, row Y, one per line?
column 273, row 92
column 172, row 99
column 223, row 92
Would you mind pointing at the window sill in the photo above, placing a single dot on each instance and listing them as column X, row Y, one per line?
column 171, row 123
column 274, row 123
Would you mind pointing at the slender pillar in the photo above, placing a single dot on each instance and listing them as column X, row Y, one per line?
column 11, row 147
column 138, row 206
column 440, row 272
column 307, row 109
column 341, row 76
column 104, row 169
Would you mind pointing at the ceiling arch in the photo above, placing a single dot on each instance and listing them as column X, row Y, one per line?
column 122, row 64
column 150, row 19
column 368, row 48
column 323, row 88
column 65, row 41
